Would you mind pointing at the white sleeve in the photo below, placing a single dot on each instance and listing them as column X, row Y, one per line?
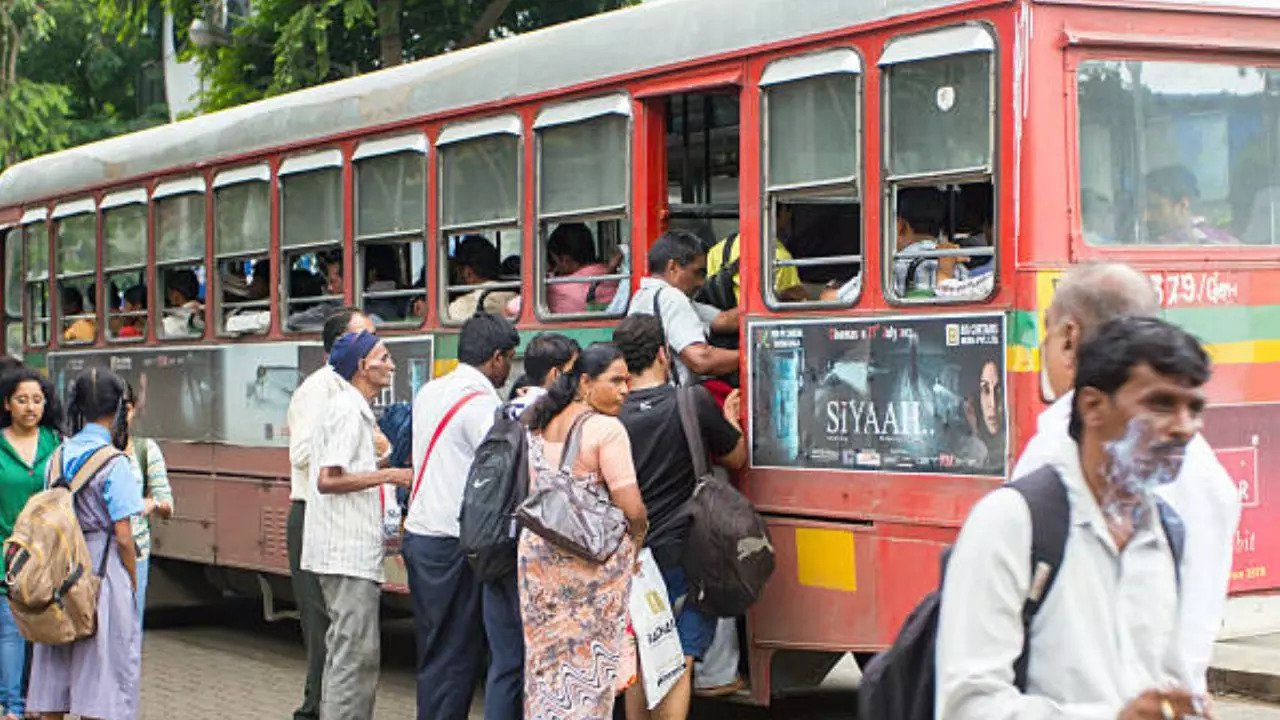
column 680, row 321
column 300, row 425
column 980, row 632
column 1206, row 498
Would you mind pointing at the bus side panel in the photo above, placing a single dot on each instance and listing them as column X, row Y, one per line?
column 190, row 534
column 252, row 515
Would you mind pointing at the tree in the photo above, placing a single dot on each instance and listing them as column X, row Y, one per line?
column 286, row 45
column 62, row 82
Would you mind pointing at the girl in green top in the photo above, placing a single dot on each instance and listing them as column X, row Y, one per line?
column 29, row 419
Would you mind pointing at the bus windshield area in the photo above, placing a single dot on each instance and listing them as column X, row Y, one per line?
column 1179, row 153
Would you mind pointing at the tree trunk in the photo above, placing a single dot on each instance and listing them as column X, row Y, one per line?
column 389, row 32
column 487, row 22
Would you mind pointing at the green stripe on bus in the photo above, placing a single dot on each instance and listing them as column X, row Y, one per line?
column 446, row 344
column 1216, row 325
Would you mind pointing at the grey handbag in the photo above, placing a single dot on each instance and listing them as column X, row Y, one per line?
column 575, row 516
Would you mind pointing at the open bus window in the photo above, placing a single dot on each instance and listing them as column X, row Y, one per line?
column 1179, row 153
column 35, row 241
column 702, row 146
column 480, row 217
column 124, row 259
column 939, row 208
column 391, row 221
column 180, row 249
column 813, row 209
column 585, row 264
column 76, row 242
column 582, row 168
column 241, row 241
column 311, row 240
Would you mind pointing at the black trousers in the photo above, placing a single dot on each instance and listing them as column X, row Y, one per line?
column 311, row 609
column 453, row 615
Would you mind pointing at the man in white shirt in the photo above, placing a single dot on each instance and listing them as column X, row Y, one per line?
column 344, row 541
column 1105, row 642
column 1203, row 493
column 677, row 268
column 304, row 411
column 453, row 611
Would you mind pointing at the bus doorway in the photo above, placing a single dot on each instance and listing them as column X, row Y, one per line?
column 702, row 146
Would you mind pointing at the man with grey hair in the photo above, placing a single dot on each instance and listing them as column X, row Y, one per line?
column 1089, row 296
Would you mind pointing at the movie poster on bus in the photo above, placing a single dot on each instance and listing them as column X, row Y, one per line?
column 257, row 381
column 911, row 395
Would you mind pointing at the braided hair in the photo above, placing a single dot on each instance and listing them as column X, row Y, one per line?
column 98, row 395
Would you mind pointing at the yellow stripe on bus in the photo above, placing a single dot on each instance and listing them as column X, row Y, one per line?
column 1022, row 359
column 444, row 366
column 824, row 559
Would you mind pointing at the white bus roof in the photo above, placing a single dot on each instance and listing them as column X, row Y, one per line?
column 654, row 34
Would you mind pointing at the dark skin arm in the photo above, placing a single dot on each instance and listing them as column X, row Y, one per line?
column 333, row 481
column 128, row 553
column 726, row 322
column 704, row 359
column 735, row 459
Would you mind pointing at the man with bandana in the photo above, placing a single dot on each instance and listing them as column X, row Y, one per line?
column 346, row 500
column 1203, row 493
column 1105, row 642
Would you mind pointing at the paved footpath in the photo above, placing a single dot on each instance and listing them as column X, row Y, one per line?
column 248, row 669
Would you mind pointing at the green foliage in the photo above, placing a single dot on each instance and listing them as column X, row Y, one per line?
column 286, row 45
column 69, row 82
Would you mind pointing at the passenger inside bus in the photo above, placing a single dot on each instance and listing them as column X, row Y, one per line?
column 921, row 213
column 251, row 305
column 974, row 226
column 381, row 274
column 184, row 317
column 476, row 263
column 328, row 287
column 1172, row 193
column 135, row 301
column 724, row 281
column 77, row 328
column 571, row 253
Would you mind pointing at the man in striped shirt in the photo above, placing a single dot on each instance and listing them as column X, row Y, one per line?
column 343, row 544
column 304, row 414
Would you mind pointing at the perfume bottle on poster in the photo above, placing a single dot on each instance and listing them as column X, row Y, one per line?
column 787, row 367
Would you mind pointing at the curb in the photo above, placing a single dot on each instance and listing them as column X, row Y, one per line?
column 1254, row 685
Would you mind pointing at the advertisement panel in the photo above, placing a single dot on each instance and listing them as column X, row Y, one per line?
column 901, row 394
column 232, row 394
column 1240, row 436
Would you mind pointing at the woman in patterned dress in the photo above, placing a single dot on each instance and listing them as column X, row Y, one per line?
column 574, row 611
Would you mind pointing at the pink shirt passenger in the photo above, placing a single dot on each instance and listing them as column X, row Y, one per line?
column 567, row 298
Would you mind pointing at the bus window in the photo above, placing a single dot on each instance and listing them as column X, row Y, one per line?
column 35, row 240
column 391, row 223
column 583, row 160
column 75, row 236
column 939, row 123
column 13, row 292
column 480, row 217
column 812, row 197
column 241, row 244
column 311, row 271
column 180, row 251
column 1179, row 153
column 124, row 260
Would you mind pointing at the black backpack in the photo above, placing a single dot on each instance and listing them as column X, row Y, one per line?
column 898, row 684
column 496, row 484
column 728, row 555
column 718, row 290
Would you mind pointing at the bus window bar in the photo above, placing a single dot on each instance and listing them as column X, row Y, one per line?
column 495, row 225
column 123, row 314
column 953, row 252
column 262, row 254
column 415, row 234
column 117, row 269
column 976, row 173
column 259, row 304
column 75, row 275
column 584, row 213
column 81, row 316
column 185, row 260
column 819, row 261
column 694, row 211
column 503, row 285
column 815, row 185
column 584, row 280
column 35, row 278
column 313, row 299
column 394, row 294
column 295, row 248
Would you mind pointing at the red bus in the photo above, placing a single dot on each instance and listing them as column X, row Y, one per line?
column 882, row 401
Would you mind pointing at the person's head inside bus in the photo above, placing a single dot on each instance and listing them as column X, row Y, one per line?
column 571, row 248
column 183, row 289
column 135, row 301
column 1089, row 296
column 921, row 213
column 1172, row 193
